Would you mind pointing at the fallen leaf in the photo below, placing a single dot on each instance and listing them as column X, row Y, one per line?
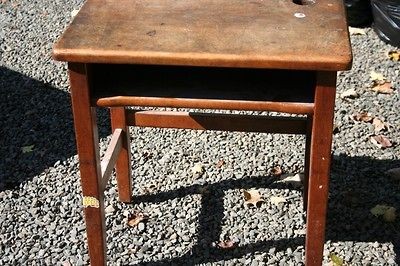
column 385, row 88
column 294, row 180
column 198, row 169
column 227, row 244
column 394, row 173
column 376, row 76
column 276, row 171
column 27, row 149
column 381, row 141
column 277, row 200
column 252, row 197
column 363, row 117
column 378, row 124
column 390, row 215
column 394, row 55
column 379, row 210
column 204, row 190
column 220, row 163
column 388, row 212
column 350, row 93
column 336, row 260
column 356, row 31
column 136, row 218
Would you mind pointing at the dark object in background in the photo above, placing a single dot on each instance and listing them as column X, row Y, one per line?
column 387, row 20
column 358, row 12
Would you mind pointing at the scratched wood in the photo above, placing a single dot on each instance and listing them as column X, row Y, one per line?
column 230, row 33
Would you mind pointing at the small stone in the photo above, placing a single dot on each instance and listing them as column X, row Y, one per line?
column 109, row 209
column 141, row 226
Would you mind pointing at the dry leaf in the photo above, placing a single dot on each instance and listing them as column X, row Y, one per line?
column 376, row 76
column 363, row 117
column 252, row 197
column 276, row 170
column 381, row 141
column 203, row 190
column 394, row 55
column 350, row 93
column 356, row 31
column 378, row 124
column 388, row 212
column 379, row 210
column 227, row 244
column 277, row 200
column 294, row 180
column 390, row 215
column 385, row 88
column 198, row 169
column 336, row 260
column 220, row 163
column 394, row 173
column 27, row 149
column 136, row 218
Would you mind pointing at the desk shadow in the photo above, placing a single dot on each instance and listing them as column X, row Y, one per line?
column 357, row 185
column 35, row 116
column 351, row 197
column 209, row 229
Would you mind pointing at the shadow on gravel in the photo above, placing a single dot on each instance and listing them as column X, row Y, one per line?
column 33, row 116
column 210, row 225
column 38, row 116
column 357, row 185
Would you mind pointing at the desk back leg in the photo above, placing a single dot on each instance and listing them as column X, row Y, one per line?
column 87, row 141
column 307, row 161
column 123, row 165
column 320, row 160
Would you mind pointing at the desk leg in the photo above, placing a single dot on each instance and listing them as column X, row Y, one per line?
column 123, row 165
column 307, row 161
column 87, row 141
column 320, row 159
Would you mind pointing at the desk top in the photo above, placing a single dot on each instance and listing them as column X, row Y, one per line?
column 227, row 33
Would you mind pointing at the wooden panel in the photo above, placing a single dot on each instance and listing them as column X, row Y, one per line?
column 110, row 157
column 204, row 87
column 207, row 121
column 229, row 33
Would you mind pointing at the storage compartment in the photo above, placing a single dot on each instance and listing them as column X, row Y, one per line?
column 227, row 84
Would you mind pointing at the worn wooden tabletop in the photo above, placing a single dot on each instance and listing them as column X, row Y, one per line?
column 228, row 33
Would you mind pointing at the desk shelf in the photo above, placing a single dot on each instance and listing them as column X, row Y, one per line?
column 203, row 87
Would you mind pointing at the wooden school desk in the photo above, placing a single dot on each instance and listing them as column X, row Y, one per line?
column 252, row 55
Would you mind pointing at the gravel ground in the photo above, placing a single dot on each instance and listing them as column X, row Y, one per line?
column 41, row 219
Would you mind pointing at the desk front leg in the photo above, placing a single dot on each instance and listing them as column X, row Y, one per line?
column 320, row 160
column 87, row 141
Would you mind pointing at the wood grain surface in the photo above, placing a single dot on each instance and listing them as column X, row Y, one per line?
column 234, row 33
